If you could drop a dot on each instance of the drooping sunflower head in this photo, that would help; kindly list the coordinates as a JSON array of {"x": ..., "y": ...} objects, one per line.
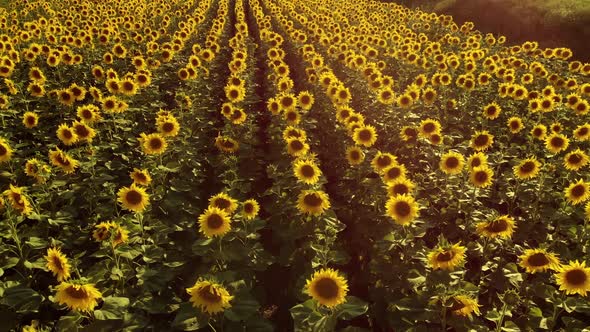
[
  {"x": 409, "y": 133},
  {"x": 58, "y": 264},
  {"x": 502, "y": 227},
  {"x": 306, "y": 171},
  {"x": 447, "y": 257},
  {"x": 481, "y": 176},
  {"x": 133, "y": 198},
  {"x": 226, "y": 144},
  {"x": 527, "y": 169},
  {"x": 578, "y": 192},
  {"x": 120, "y": 235},
  {"x": 293, "y": 132},
  {"x": 209, "y": 297},
  {"x": 574, "y": 278},
  {"x": 327, "y": 287},
  {"x": 224, "y": 202},
  {"x": 538, "y": 260},
  {"x": 5, "y": 151},
  {"x": 464, "y": 306},
  {"x": 575, "y": 160},
  {"x": 78, "y": 296},
  {"x": 403, "y": 209},
  {"x": 451, "y": 163},
  {"x": 102, "y": 231},
  {"x": 214, "y": 222},
  {"x": 313, "y": 202},
  {"x": 62, "y": 160}
]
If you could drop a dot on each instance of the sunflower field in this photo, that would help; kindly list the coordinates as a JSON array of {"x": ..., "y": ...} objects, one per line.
[{"x": 278, "y": 165}]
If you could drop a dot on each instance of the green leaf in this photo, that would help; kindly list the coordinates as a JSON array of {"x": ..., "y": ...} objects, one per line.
[
  {"x": 242, "y": 308},
  {"x": 353, "y": 307},
  {"x": 189, "y": 318},
  {"x": 113, "y": 308},
  {"x": 70, "y": 322},
  {"x": 21, "y": 299}
]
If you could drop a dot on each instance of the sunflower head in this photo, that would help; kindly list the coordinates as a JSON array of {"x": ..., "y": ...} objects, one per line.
[
  {"x": 556, "y": 142},
  {"x": 578, "y": 192},
  {"x": 481, "y": 176},
  {"x": 383, "y": 160},
  {"x": 576, "y": 160},
  {"x": 354, "y": 155},
  {"x": 224, "y": 202},
  {"x": 306, "y": 171},
  {"x": 403, "y": 209},
  {"x": 153, "y": 144},
  {"x": 482, "y": 140},
  {"x": 464, "y": 306},
  {"x": 133, "y": 198},
  {"x": 538, "y": 260},
  {"x": 574, "y": 278},
  {"x": 313, "y": 202},
  {"x": 58, "y": 264},
  {"x": 327, "y": 287},
  {"x": 250, "y": 209},
  {"x": 214, "y": 222},
  {"x": 447, "y": 257},
  {"x": 365, "y": 135},
  {"x": 527, "y": 169},
  {"x": 209, "y": 297},
  {"x": 78, "y": 296},
  {"x": 452, "y": 163},
  {"x": 502, "y": 227}
]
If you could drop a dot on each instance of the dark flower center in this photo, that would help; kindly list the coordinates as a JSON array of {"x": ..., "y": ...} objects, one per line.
[
  {"x": 576, "y": 277},
  {"x": 384, "y": 161},
  {"x": 297, "y": 145},
  {"x": 452, "y": 162},
  {"x": 481, "y": 176},
  {"x": 3, "y": 150},
  {"x": 538, "y": 259},
  {"x": 326, "y": 288},
  {"x": 578, "y": 190},
  {"x": 312, "y": 200},
  {"x": 76, "y": 292},
  {"x": 307, "y": 171},
  {"x": 209, "y": 294},
  {"x": 527, "y": 167},
  {"x": 400, "y": 189},
  {"x": 134, "y": 197},
  {"x": 222, "y": 203},
  {"x": 365, "y": 135},
  {"x": 574, "y": 158},
  {"x": 249, "y": 208},
  {"x": 481, "y": 140},
  {"x": 445, "y": 256},
  {"x": 155, "y": 143},
  {"x": 429, "y": 127},
  {"x": 168, "y": 127},
  {"x": 403, "y": 209},
  {"x": 214, "y": 221},
  {"x": 557, "y": 142},
  {"x": 497, "y": 226}
]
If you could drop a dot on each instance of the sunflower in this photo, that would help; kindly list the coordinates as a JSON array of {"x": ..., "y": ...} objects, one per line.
[
  {"x": 403, "y": 209},
  {"x": 429, "y": 127},
  {"x": 83, "y": 131},
  {"x": 527, "y": 169},
  {"x": 477, "y": 159},
  {"x": 168, "y": 126},
  {"x": 235, "y": 94},
  {"x": 153, "y": 143},
  {"x": 481, "y": 176},
  {"x": 556, "y": 142},
  {"x": 291, "y": 116},
  {"x": 354, "y": 155},
  {"x": 492, "y": 111},
  {"x": 582, "y": 132},
  {"x": 538, "y": 260},
  {"x": 293, "y": 132},
  {"x": 464, "y": 306},
  {"x": 250, "y": 209},
  {"x": 447, "y": 258},
  {"x": 214, "y": 222},
  {"x": 305, "y": 100},
  {"x": 88, "y": 113},
  {"x": 18, "y": 200},
  {"x": 574, "y": 278},
  {"x": 36, "y": 89},
  {"x": 365, "y": 135},
  {"x": 400, "y": 186},
  {"x": 5, "y": 151},
  {"x": 394, "y": 172},
  {"x": 482, "y": 140},
  {"x": 128, "y": 87},
  {"x": 62, "y": 160},
  {"x": 451, "y": 163},
  {"x": 306, "y": 171},
  {"x": 30, "y": 120},
  {"x": 133, "y": 198},
  {"x": 539, "y": 132},
  {"x": 66, "y": 134},
  {"x": 226, "y": 144},
  {"x": 501, "y": 227},
  {"x": 58, "y": 264},
  {"x": 209, "y": 297},
  {"x": 103, "y": 231},
  {"x": 297, "y": 147},
  {"x": 578, "y": 192},
  {"x": 575, "y": 160},
  {"x": 327, "y": 287},
  {"x": 313, "y": 202},
  {"x": 141, "y": 177},
  {"x": 409, "y": 133},
  {"x": 383, "y": 160},
  {"x": 37, "y": 169},
  {"x": 66, "y": 97},
  {"x": 78, "y": 297},
  {"x": 515, "y": 124},
  {"x": 224, "y": 202}
]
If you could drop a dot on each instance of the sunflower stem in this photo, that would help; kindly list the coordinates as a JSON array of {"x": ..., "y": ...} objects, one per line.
[
  {"x": 14, "y": 234},
  {"x": 501, "y": 321},
  {"x": 140, "y": 219}
]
